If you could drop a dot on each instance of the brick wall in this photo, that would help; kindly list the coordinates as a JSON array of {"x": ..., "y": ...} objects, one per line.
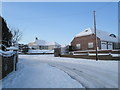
[
  {"x": 8, "y": 64},
  {"x": 84, "y": 40}
]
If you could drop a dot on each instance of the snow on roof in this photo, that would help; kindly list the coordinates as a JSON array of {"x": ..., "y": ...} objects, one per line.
[
  {"x": 87, "y": 31},
  {"x": 63, "y": 45},
  {"x": 43, "y": 42},
  {"x": 40, "y": 42},
  {"x": 32, "y": 43},
  {"x": 104, "y": 36},
  {"x": 52, "y": 43}
]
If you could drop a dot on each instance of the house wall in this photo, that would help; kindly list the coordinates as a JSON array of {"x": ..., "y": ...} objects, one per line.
[
  {"x": 51, "y": 47},
  {"x": 34, "y": 46},
  {"x": 84, "y": 40},
  {"x": 114, "y": 45},
  {"x": 106, "y": 45}
]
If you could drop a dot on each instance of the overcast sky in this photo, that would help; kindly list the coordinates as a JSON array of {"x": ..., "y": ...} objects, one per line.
[{"x": 59, "y": 22}]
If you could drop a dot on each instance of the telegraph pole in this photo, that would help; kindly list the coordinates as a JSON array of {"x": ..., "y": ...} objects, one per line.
[{"x": 96, "y": 44}]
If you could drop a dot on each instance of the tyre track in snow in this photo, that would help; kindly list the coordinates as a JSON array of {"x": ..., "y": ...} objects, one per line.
[
  {"x": 85, "y": 79},
  {"x": 98, "y": 73},
  {"x": 89, "y": 76}
]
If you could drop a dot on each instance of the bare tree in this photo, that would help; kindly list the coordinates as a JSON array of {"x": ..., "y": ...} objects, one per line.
[{"x": 17, "y": 35}]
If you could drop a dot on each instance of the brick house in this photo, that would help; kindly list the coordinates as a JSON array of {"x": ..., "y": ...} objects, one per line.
[{"x": 85, "y": 40}]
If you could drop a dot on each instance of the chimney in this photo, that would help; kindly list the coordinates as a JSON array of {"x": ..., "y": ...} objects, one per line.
[{"x": 36, "y": 38}]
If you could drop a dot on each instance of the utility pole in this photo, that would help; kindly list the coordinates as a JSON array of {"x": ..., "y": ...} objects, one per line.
[{"x": 96, "y": 44}]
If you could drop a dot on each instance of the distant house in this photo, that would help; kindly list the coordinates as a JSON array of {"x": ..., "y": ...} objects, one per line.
[
  {"x": 43, "y": 45},
  {"x": 85, "y": 40}
]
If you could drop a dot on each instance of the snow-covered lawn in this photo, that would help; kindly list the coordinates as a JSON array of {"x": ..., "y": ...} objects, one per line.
[
  {"x": 41, "y": 51},
  {"x": 47, "y": 71}
]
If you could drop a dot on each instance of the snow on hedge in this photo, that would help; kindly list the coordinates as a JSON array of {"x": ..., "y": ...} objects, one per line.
[
  {"x": 6, "y": 53},
  {"x": 12, "y": 48}
]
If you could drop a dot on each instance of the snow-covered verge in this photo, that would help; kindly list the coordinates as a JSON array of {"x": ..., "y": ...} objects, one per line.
[
  {"x": 34, "y": 74},
  {"x": 36, "y": 71},
  {"x": 41, "y": 51},
  {"x": 99, "y": 54}
]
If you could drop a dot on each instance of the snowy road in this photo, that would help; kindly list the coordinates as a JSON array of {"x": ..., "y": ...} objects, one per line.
[{"x": 84, "y": 73}]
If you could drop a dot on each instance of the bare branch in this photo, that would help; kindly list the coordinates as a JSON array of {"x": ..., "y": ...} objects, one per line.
[{"x": 17, "y": 35}]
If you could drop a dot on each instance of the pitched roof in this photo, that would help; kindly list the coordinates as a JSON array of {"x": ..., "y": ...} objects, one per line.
[
  {"x": 40, "y": 42},
  {"x": 52, "y": 43},
  {"x": 43, "y": 42},
  {"x": 104, "y": 36}
]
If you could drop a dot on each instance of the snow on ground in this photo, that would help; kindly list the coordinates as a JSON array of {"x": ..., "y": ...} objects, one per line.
[
  {"x": 48, "y": 71},
  {"x": 34, "y": 74},
  {"x": 41, "y": 51}
]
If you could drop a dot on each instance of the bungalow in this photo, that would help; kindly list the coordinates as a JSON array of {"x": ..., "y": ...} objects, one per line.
[
  {"x": 85, "y": 40},
  {"x": 43, "y": 45}
]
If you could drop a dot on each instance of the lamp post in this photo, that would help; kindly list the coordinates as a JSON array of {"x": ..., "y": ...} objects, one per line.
[{"x": 96, "y": 44}]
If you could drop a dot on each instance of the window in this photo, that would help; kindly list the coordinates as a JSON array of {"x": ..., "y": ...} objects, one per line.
[
  {"x": 103, "y": 45},
  {"x": 116, "y": 46},
  {"x": 90, "y": 45},
  {"x": 112, "y": 35},
  {"x": 78, "y": 46},
  {"x": 86, "y": 30},
  {"x": 40, "y": 47},
  {"x": 109, "y": 43},
  {"x": 103, "y": 42},
  {"x": 46, "y": 47}
]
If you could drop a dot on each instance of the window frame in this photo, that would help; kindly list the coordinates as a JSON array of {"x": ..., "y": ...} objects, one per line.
[
  {"x": 89, "y": 46},
  {"x": 78, "y": 46}
]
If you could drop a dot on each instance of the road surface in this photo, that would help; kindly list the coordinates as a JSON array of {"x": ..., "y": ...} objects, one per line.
[{"x": 90, "y": 74}]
